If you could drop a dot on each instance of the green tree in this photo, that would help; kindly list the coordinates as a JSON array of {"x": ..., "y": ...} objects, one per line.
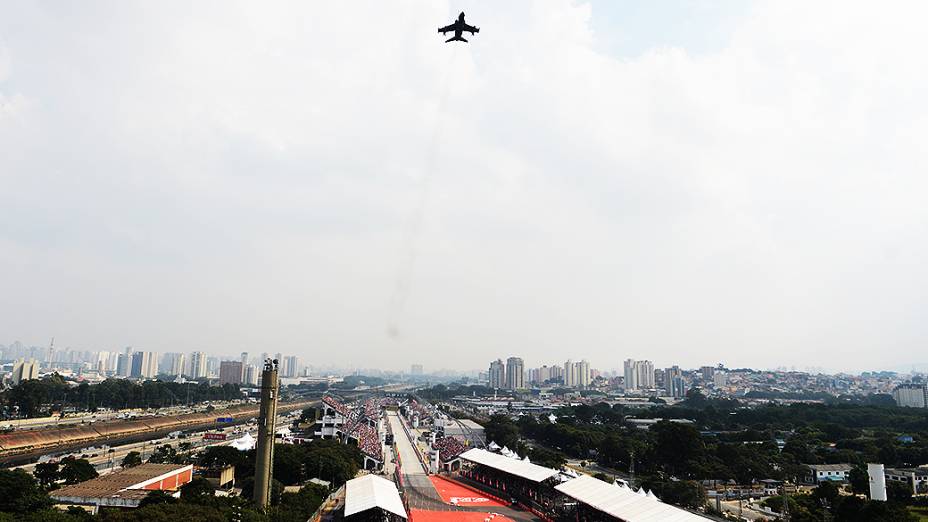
[
  {"x": 196, "y": 490},
  {"x": 676, "y": 446},
  {"x": 157, "y": 497},
  {"x": 47, "y": 473},
  {"x": 74, "y": 470},
  {"x": 289, "y": 463},
  {"x": 502, "y": 430},
  {"x": 859, "y": 480},
  {"x": 20, "y": 493},
  {"x": 133, "y": 458}
]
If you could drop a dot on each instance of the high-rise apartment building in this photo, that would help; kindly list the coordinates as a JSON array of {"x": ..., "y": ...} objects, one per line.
[
  {"x": 497, "y": 374},
  {"x": 706, "y": 372},
  {"x": 230, "y": 372},
  {"x": 197, "y": 365},
  {"x": 577, "y": 374},
  {"x": 673, "y": 382},
  {"x": 144, "y": 365},
  {"x": 290, "y": 366},
  {"x": 515, "y": 373},
  {"x": 24, "y": 370},
  {"x": 639, "y": 375},
  {"x": 173, "y": 363},
  {"x": 415, "y": 370},
  {"x": 911, "y": 395},
  {"x": 251, "y": 375}
]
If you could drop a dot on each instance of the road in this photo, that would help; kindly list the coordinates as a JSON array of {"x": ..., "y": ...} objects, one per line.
[
  {"x": 409, "y": 459},
  {"x": 106, "y": 461}
]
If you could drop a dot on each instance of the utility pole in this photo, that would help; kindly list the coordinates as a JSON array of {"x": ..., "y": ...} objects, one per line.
[{"x": 265, "y": 449}]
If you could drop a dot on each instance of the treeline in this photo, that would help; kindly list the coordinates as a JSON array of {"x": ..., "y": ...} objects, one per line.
[
  {"x": 40, "y": 396},
  {"x": 709, "y": 439},
  {"x": 26, "y": 498}
]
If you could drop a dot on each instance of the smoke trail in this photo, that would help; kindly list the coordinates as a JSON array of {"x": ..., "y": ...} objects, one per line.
[{"x": 410, "y": 242}]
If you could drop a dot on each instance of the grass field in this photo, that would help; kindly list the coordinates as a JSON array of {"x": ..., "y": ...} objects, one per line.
[{"x": 920, "y": 512}]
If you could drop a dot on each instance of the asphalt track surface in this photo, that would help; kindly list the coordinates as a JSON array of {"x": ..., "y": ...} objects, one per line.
[{"x": 424, "y": 501}]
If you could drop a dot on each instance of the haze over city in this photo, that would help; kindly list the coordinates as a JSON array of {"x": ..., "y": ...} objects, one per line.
[{"x": 684, "y": 182}]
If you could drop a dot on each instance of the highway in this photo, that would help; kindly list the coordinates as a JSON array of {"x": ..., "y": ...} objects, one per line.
[{"x": 104, "y": 461}]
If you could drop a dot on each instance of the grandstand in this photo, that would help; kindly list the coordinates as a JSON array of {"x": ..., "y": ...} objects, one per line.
[
  {"x": 555, "y": 495},
  {"x": 359, "y": 423}
]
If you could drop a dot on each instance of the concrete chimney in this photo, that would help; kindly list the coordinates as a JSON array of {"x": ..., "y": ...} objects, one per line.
[{"x": 265, "y": 448}]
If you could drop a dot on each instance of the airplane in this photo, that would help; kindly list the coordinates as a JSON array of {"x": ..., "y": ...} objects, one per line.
[{"x": 459, "y": 26}]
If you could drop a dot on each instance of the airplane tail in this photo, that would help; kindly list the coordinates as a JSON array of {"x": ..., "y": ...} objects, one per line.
[{"x": 455, "y": 39}]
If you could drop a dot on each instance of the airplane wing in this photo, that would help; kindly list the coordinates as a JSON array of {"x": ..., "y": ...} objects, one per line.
[
  {"x": 471, "y": 29},
  {"x": 446, "y": 28}
]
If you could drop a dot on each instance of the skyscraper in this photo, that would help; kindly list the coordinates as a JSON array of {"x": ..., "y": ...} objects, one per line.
[
  {"x": 415, "y": 370},
  {"x": 673, "y": 382},
  {"x": 497, "y": 374},
  {"x": 251, "y": 375},
  {"x": 515, "y": 373},
  {"x": 230, "y": 372},
  {"x": 639, "y": 375},
  {"x": 197, "y": 365},
  {"x": 173, "y": 363},
  {"x": 290, "y": 366},
  {"x": 144, "y": 365}
]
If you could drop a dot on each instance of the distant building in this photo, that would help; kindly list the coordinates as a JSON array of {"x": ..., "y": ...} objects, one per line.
[
  {"x": 230, "y": 372},
  {"x": 829, "y": 472},
  {"x": 123, "y": 365},
  {"x": 144, "y": 365},
  {"x": 911, "y": 395},
  {"x": 415, "y": 370},
  {"x": 706, "y": 372},
  {"x": 577, "y": 374},
  {"x": 251, "y": 375},
  {"x": 173, "y": 363},
  {"x": 197, "y": 365},
  {"x": 639, "y": 375},
  {"x": 916, "y": 479},
  {"x": 24, "y": 370},
  {"x": 515, "y": 373},
  {"x": 673, "y": 382},
  {"x": 497, "y": 374},
  {"x": 290, "y": 366}
]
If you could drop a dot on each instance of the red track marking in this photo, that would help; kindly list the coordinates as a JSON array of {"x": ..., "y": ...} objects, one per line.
[
  {"x": 456, "y": 494},
  {"x": 419, "y": 515}
]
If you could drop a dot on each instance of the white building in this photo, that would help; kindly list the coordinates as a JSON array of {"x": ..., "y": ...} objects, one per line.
[
  {"x": 197, "y": 365},
  {"x": 577, "y": 374},
  {"x": 24, "y": 370},
  {"x": 911, "y": 395},
  {"x": 515, "y": 373},
  {"x": 639, "y": 375},
  {"x": 829, "y": 472}
]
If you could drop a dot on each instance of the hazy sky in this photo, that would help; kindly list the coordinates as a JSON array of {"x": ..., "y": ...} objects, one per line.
[{"x": 691, "y": 182}]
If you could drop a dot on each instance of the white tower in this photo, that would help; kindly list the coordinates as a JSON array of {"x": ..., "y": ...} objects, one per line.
[{"x": 877, "y": 482}]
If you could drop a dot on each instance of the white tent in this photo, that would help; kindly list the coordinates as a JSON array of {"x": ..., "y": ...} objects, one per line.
[
  {"x": 244, "y": 443},
  {"x": 371, "y": 491}
]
